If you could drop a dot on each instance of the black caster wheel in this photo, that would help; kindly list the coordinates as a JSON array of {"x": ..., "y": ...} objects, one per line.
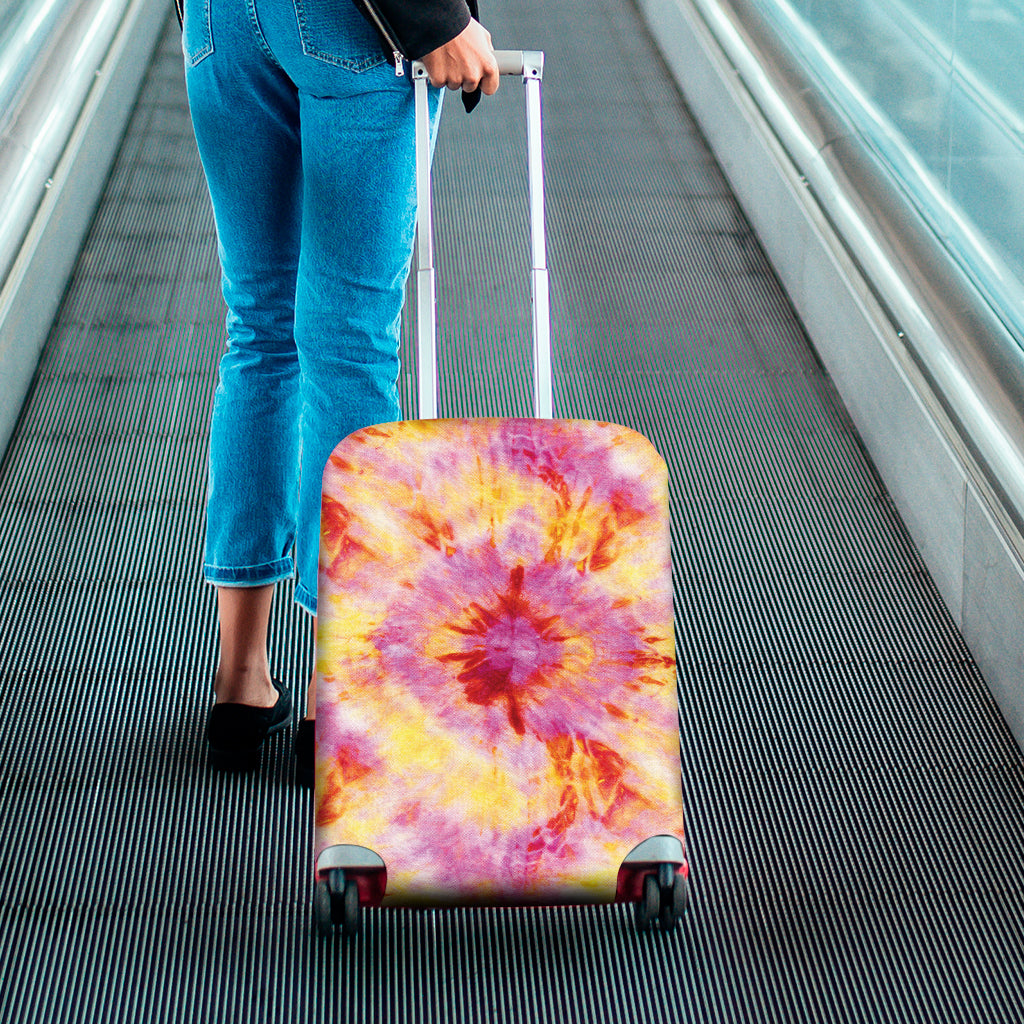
[
  {"x": 344, "y": 901},
  {"x": 648, "y": 905},
  {"x": 322, "y": 908},
  {"x": 351, "y": 917},
  {"x": 674, "y": 902}
]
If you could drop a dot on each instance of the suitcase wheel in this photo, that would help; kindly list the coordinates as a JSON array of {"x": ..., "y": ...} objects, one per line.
[
  {"x": 322, "y": 908},
  {"x": 649, "y": 904},
  {"x": 674, "y": 903},
  {"x": 665, "y": 898},
  {"x": 336, "y": 901}
]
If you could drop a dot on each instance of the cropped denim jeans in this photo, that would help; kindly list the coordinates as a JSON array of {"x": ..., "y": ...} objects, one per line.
[{"x": 306, "y": 137}]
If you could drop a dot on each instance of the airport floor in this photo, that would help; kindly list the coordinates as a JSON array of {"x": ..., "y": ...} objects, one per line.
[{"x": 854, "y": 801}]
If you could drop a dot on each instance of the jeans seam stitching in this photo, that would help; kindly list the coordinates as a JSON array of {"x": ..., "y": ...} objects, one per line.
[
  {"x": 261, "y": 42},
  {"x": 196, "y": 57}
]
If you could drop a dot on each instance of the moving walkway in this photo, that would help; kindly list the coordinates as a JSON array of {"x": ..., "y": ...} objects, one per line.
[{"x": 854, "y": 792}]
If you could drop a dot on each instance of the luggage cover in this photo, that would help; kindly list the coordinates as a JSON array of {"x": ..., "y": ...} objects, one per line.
[{"x": 496, "y": 693}]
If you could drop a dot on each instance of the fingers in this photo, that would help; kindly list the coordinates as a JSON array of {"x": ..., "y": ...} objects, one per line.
[
  {"x": 490, "y": 80},
  {"x": 466, "y": 62},
  {"x": 489, "y": 77}
]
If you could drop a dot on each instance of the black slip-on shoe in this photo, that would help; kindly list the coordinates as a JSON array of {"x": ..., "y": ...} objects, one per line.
[
  {"x": 236, "y": 731},
  {"x": 305, "y": 752}
]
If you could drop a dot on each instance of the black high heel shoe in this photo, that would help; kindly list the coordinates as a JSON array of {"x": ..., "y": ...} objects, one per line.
[{"x": 236, "y": 731}]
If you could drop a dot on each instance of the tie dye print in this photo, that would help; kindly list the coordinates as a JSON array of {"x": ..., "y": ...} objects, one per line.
[{"x": 496, "y": 710}]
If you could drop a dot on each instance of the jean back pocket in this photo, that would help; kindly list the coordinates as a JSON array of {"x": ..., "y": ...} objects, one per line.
[{"x": 336, "y": 33}]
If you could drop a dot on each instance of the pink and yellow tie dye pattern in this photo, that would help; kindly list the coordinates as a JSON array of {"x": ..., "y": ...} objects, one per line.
[{"x": 496, "y": 680}]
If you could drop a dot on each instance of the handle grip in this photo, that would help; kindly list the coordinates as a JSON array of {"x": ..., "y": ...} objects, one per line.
[{"x": 526, "y": 63}]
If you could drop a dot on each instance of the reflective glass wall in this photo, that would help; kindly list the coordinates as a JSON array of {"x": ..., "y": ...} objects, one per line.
[
  {"x": 936, "y": 87},
  {"x": 26, "y": 26}
]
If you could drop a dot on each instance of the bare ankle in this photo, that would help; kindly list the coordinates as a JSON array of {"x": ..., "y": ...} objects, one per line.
[
  {"x": 245, "y": 686},
  {"x": 243, "y": 675}
]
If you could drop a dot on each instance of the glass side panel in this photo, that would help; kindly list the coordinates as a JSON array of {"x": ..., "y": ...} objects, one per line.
[
  {"x": 25, "y": 28},
  {"x": 936, "y": 88}
]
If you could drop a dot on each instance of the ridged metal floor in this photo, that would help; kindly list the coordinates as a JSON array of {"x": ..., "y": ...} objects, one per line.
[{"x": 855, "y": 803}]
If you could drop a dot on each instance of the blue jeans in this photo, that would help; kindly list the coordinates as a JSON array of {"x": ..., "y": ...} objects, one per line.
[{"x": 306, "y": 137}]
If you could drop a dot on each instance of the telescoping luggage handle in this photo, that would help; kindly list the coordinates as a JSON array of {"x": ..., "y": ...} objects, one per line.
[{"x": 530, "y": 65}]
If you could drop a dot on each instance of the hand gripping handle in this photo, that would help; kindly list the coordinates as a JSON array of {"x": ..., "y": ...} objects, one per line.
[{"x": 529, "y": 64}]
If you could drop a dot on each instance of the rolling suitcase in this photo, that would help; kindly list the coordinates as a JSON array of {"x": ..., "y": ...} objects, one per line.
[{"x": 497, "y": 719}]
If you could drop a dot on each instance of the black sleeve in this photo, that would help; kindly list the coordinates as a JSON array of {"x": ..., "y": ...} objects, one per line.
[{"x": 424, "y": 26}]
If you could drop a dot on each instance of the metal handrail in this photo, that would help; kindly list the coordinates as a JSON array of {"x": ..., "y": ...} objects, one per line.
[
  {"x": 49, "y": 100},
  {"x": 25, "y": 34},
  {"x": 969, "y": 356}
]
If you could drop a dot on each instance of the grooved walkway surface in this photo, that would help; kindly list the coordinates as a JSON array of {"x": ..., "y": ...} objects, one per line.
[{"x": 855, "y": 803}]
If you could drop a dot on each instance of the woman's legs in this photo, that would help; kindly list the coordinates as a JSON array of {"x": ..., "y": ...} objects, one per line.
[
  {"x": 358, "y": 218},
  {"x": 243, "y": 675},
  {"x": 313, "y": 340},
  {"x": 359, "y": 208},
  {"x": 245, "y": 115}
]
